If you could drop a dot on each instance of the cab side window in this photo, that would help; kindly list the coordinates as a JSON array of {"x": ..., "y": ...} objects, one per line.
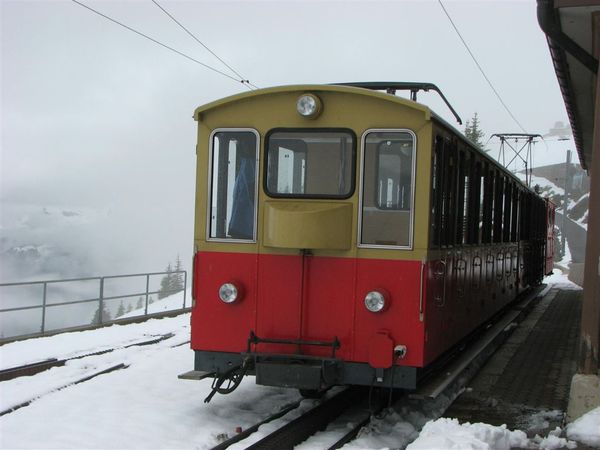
[
  {"x": 388, "y": 189},
  {"x": 233, "y": 185}
]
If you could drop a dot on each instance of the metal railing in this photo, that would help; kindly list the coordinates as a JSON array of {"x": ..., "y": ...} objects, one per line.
[{"x": 101, "y": 300}]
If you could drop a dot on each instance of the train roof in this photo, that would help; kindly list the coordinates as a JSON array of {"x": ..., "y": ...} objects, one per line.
[
  {"x": 346, "y": 88},
  {"x": 312, "y": 88}
]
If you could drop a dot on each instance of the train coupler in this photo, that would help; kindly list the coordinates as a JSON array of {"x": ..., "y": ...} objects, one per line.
[{"x": 231, "y": 379}]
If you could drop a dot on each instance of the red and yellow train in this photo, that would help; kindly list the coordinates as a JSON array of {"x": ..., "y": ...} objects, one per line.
[{"x": 346, "y": 236}]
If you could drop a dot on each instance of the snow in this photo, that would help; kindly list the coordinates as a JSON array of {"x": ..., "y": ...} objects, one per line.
[
  {"x": 586, "y": 429},
  {"x": 572, "y": 205},
  {"x": 146, "y": 406},
  {"x": 539, "y": 420},
  {"x": 143, "y": 406},
  {"x": 583, "y": 221},
  {"x": 548, "y": 187},
  {"x": 71, "y": 344},
  {"x": 553, "y": 441},
  {"x": 170, "y": 303},
  {"x": 567, "y": 258},
  {"x": 561, "y": 280},
  {"x": 450, "y": 434}
]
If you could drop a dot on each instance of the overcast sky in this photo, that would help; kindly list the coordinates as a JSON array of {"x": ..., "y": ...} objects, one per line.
[{"x": 97, "y": 120}]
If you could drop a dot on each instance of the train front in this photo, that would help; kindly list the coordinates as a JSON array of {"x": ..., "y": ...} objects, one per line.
[{"x": 310, "y": 238}]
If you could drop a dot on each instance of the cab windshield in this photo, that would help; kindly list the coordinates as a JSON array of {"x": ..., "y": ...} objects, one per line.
[{"x": 310, "y": 163}]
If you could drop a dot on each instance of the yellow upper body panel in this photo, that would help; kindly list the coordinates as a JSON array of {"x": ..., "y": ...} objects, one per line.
[
  {"x": 308, "y": 225},
  {"x": 279, "y": 220},
  {"x": 308, "y": 88}
]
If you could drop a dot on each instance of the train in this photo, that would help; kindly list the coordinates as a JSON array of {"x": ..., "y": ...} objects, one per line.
[{"x": 345, "y": 235}]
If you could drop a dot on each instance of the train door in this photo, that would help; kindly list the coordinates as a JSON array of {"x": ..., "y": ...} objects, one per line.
[
  {"x": 550, "y": 242},
  {"x": 223, "y": 322},
  {"x": 386, "y": 268},
  {"x": 305, "y": 274},
  {"x": 439, "y": 210}
]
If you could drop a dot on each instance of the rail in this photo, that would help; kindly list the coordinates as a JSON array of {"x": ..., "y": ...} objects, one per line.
[{"x": 103, "y": 301}]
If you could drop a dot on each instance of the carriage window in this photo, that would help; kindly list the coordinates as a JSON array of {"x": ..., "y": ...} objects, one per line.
[
  {"x": 506, "y": 225},
  {"x": 233, "y": 186},
  {"x": 515, "y": 214},
  {"x": 488, "y": 205},
  {"x": 474, "y": 199},
  {"x": 388, "y": 185},
  {"x": 394, "y": 172},
  {"x": 310, "y": 164},
  {"x": 436, "y": 188},
  {"x": 462, "y": 196},
  {"x": 498, "y": 205}
]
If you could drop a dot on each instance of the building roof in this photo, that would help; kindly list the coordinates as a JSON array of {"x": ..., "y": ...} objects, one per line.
[{"x": 568, "y": 25}]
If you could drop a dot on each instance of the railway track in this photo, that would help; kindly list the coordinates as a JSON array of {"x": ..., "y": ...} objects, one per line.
[
  {"x": 354, "y": 401},
  {"x": 435, "y": 395},
  {"x": 79, "y": 381},
  {"x": 299, "y": 429},
  {"x": 41, "y": 366}
]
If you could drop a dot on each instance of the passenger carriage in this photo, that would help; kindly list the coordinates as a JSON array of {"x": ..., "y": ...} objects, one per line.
[{"x": 349, "y": 236}]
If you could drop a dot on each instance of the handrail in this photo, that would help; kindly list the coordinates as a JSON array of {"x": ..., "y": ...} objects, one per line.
[
  {"x": 100, "y": 299},
  {"x": 414, "y": 87}
]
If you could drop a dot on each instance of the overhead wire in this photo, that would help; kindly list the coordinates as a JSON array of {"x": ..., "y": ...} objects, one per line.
[
  {"x": 245, "y": 80},
  {"x": 160, "y": 43},
  {"x": 480, "y": 68}
]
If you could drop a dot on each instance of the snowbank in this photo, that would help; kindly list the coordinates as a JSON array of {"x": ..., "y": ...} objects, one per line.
[
  {"x": 450, "y": 434},
  {"x": 170, "y": 303},
  {"x": 586, "y": 429},
  {"x": 561, "y": 280}
]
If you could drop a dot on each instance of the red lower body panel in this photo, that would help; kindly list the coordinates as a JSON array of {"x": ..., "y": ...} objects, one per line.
[
  {"x": 306, "y": 299},
  {"x": 466, "y": 289},
  {"x": 309, "y": 298}
]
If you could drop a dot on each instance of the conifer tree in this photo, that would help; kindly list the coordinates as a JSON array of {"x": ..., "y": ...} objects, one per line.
[
  {"x": 474, "y": 133},
  {"x": 178, "y": 276},
  {"x": 121, "y": 310},
  {"x": 166, "y": 284},
  {"x": 96, "y": 320},
  {"x": 173, "y": 280}
]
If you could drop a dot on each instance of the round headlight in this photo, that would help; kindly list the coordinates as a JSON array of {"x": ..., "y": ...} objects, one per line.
[
  {"x": 228, "y": 293},
  {"x": 375, "y": 301},
  {"x": 308, "y": 106}
]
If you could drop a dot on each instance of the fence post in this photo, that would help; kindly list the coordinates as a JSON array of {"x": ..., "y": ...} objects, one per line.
[
  {"x": 101, "y": 301},
  {"x": 44, "y": 308},
  {"x": 184, "y": 286},
  {"x": 147, "y": 290}
]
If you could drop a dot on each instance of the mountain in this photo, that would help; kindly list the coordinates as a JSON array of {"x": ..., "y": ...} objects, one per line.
[{"x": 43, "y": 242}]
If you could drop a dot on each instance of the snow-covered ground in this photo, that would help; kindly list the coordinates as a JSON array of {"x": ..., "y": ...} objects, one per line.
[
  {"x": 550, "y": 189},
  {"x": 171, "y": 303},
  {"x": 561, "y": 279},
  {"x": 145, "y": 406}
]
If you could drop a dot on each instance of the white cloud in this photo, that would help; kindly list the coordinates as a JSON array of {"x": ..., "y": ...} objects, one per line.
[{"x": 93, "y": 116}]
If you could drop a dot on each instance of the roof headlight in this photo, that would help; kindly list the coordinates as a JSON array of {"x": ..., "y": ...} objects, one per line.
[
  {"x": 375, "y": 301},
  {"x": 228, "y": 293},
  {"x": 309, "y": 106}
]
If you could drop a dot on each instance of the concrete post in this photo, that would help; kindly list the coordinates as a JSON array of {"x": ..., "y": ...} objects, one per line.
[
  {"x": 590, "y": 324},
  {"x": 566, "y": 201},
  {"x": 585, "y": 386}
]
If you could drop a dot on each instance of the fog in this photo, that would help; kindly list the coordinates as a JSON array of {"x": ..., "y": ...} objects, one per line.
[{"x": 98, "y": 140}]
